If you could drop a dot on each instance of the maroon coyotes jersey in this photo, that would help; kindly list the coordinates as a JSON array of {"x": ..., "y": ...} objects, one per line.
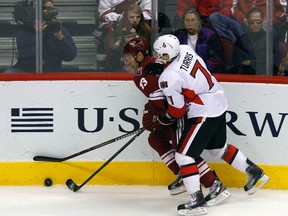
[{"x": 148, "y": 84}]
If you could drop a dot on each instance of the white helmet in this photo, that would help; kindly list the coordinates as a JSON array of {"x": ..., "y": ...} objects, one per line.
[{"x": 167, "y": 44}]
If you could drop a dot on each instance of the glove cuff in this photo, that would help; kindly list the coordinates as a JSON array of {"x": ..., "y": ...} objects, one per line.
[{"x": 165, "y": 119}]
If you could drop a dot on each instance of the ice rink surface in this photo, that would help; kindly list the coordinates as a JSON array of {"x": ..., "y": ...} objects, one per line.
[{"x": 130, "y": 201}]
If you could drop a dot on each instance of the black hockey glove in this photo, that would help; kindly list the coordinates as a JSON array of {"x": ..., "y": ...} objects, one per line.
[
  {"x": 165, "y": 119},
  {"x": 154, "y": 68}
]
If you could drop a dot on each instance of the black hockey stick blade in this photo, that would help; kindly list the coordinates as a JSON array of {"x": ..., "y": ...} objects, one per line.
[
  {"x": 48, "y": 159},
  {"x": 55, "y": 159},
  {"x": 72, "y": 185}
]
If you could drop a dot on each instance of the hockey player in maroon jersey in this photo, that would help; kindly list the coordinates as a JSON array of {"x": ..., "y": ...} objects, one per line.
[
  {"x": 147, "y": 72},
  {"x": 192, "y": 91}
]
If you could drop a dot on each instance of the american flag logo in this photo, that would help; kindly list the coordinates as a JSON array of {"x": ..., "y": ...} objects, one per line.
[{"x": 31, "y": 120}]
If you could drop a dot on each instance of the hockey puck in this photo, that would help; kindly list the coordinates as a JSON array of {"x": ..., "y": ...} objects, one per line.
[{"x": 48, "y": 182}]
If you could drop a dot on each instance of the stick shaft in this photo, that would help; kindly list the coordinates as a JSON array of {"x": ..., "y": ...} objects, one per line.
[
  {"x": 54, "y": 159},
  {"x": 141, "y": 130}
]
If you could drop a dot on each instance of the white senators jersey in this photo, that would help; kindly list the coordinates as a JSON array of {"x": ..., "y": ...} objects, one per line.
[{"x": 190, "y": 88}]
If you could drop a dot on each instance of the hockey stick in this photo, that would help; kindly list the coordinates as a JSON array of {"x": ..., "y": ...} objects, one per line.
[
  {"x": 54, "y": 159},
  {"x": 74, "y": 187}
]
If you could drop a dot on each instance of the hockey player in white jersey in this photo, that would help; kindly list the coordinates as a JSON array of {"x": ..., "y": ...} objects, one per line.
[{"x": 192, "y": 91}]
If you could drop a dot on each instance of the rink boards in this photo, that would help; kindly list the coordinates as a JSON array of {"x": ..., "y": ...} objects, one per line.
[{"x": 58, "y": 117}]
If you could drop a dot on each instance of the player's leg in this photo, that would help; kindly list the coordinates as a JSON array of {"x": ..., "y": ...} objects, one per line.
[
  {"x": 218, "y": 192},
  {"x": 191, "y": 144},
  {"x": 160, "y": 139},
  {"x": 208, "y": 178},
  {"x": 160, "y": 142},
  {"x": 200, "y": 135},
  {"x": 164, "y": 149},
  {"x": 256, "y": 177},
  {"x": 191, "y": 178}
]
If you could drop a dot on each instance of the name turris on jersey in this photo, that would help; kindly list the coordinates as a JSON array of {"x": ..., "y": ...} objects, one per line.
[{"x": 187, "y": 61}]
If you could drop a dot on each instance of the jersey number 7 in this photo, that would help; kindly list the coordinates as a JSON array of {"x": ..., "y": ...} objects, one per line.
[{"x": 198, "y": 67}]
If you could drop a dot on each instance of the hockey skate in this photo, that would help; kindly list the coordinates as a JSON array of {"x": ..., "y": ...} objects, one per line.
[
  {"x": 177, "y": 187},
  {"x": 195, "y": 206},
  {"x": 217, "y": 193},
  {"x": 256, "y": 178}
]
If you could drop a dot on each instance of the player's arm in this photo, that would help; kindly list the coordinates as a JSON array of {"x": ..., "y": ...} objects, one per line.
[
  {"x": 176, "y": 106},
  {"x": 146, "y": 79},
  {"x": 154, "y": 68}
]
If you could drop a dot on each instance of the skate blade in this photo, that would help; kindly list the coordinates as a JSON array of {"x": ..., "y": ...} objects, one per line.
[
  {"x": 260, "y": 183},
  {"x": 193, "y": 212},
  {"x": 219, "y": 199},
  {"x": 178, "y": 190}
]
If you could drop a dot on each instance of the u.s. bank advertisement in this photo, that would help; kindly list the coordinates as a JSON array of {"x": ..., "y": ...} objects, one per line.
[{"x": 62, "y": 117}]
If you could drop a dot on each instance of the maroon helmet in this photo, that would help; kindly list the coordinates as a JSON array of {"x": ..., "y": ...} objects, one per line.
[{"x": 136, "y": 45}]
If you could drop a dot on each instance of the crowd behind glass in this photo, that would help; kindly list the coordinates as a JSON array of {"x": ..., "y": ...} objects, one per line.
[{"x": 232, "y": 36}]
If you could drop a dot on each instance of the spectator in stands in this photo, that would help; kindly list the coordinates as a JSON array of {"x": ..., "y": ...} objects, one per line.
[
  {"x": 58, "y": 45},
  {"x": 111, "y": 14},
  {"x": 255, "y": 23},
  {"x": 241, "y": 8},
  {"x": 236, "y": 33},
  {"x": 132, "y": 25},
  {"x": 203, "y": 40},
  {"x": 205, "y": 7},
  {"x": 112, "y": 10},
  {"x": 133, "y": 21},
  {"x": 216, "y": 15}
]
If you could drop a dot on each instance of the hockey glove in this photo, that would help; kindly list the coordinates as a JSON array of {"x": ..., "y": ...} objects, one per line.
[
  {"x": 165, "y": 119},
  {"x": 154, "y": 68},
  {"x": 149, "y": 119}
]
